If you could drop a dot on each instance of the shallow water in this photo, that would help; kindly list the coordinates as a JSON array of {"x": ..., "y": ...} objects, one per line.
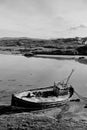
[{"x": 19, "y": 73}]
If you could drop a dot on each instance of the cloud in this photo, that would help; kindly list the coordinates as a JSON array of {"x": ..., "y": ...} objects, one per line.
[
  {"x": 41, "y": 17},
  {"x": 44, "y": 7},
  {"x": 29, "y": 7},
  {"x": 82, "y": 26}
]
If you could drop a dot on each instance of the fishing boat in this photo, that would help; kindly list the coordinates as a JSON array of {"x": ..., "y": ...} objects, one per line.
[
  {"x": 82, "y": 60},
  {"x": 28, "y": 54},
  {"x": 42, "y": 98}
]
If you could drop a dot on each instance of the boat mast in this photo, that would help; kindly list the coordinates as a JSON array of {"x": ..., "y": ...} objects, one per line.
[{"x": 69, "y": 77}]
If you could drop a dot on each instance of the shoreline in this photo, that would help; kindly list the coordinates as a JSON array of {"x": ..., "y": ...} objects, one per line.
[
  {"x": 76, "y": 58},
  {"x": 72, "y": 115}
]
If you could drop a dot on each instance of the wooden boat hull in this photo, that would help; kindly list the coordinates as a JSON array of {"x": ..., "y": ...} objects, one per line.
[
  {"x": 33, "y": 106},
  {"x": 19, "y": 102}
]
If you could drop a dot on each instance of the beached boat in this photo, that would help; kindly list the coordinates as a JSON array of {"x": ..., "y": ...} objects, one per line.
[
  {"x": 42, "y": 98},
  {"x": 82, "y": 60},
  {"x": 28, "y": 54}
]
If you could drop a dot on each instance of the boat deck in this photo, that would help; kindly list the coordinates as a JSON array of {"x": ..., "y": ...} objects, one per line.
[
  {"x": 40, "y": 99},
  {"x": 49, "y": 99}
]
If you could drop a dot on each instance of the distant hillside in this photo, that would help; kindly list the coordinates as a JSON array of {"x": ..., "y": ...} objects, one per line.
[
  {"x": 65, "y": 46},
  {"x": 29, "y": 42}
]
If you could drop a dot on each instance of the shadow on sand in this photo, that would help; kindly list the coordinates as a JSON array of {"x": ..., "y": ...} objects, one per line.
[
  {"x": 8, "y": 109},
  {"x": 4, "y": 109}
]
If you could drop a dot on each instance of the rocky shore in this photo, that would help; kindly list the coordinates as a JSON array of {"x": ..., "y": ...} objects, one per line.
[{"x": 71, "y": 116}]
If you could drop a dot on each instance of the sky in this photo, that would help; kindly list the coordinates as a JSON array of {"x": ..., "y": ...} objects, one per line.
[{"x": 43, "y": 18}]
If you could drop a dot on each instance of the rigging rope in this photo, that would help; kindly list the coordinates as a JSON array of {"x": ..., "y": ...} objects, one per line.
[{"x": 81, "y": 97}]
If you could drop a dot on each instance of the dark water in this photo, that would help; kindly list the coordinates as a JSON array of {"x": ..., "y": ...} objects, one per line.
[{"x": 19, "y": 73}]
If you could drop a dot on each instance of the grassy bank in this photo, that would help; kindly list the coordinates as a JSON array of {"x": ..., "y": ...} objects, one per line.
[{"x": 69, "y": 46}]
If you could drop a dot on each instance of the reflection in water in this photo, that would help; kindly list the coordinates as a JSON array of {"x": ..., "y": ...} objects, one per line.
[{"x": 18, "y": 73}]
